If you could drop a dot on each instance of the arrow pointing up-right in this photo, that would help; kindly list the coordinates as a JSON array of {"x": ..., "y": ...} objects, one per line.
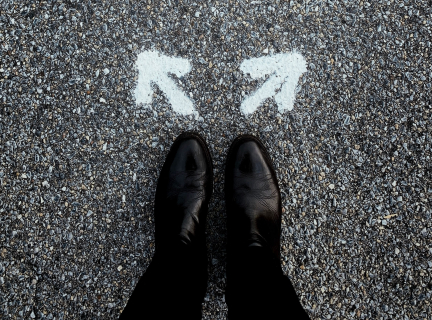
[{"x": 284, "y": 69}]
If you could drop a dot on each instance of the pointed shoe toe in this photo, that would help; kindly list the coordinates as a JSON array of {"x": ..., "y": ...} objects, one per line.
[
  {"x": 183, "y": 192},
  {"x": 252, "y": 198}
]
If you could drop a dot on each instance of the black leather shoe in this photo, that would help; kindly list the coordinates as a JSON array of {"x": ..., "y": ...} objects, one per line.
[
  {"x": 179, "y": 265},
  {"x": 252, "y": 198},
  {"x": 183, "y": 192}
]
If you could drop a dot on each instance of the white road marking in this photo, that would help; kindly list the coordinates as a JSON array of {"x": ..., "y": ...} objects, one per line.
[
  {"x": 284, "y": 69},
  {"x": 154, "y": 67}
]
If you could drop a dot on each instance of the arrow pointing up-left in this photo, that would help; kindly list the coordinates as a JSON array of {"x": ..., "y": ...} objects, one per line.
[{"x": 154, "y": 67}]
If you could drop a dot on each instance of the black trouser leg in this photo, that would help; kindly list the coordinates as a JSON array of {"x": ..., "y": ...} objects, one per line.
[
  {"x": 173, "y": 287},
  {"x": 257, "y": 288}
]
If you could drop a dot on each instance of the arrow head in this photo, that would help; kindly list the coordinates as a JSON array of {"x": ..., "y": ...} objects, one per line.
[
  {"x": 154, "y": 67},
  {"x": 259, "y": 67}
]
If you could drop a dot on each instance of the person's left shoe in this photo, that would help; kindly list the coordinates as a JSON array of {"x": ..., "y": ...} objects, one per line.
[{"x": 183, "y": 192}]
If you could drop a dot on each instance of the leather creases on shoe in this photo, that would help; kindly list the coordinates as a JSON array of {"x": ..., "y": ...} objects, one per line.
[
  {"x": 183, "y": 193},
  {"x": 253, "y": 199}
]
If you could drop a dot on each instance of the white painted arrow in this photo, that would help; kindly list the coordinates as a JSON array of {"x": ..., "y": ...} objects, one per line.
[
  {"x": 284, "y": 69},
  {"x": 154, "y": 67}
]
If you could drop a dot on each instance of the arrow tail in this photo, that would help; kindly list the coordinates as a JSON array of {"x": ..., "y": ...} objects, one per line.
[
  {"x": 267, "y": 90},
  {"x": 179, "y": 101},
  {"x": 286, "y": 96}
]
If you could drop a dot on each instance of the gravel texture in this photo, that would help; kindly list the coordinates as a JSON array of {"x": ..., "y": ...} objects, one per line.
[{"x": 79, "y": 160}]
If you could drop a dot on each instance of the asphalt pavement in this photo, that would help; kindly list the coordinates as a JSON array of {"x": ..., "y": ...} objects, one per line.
[{"x": 79, "y": 157}]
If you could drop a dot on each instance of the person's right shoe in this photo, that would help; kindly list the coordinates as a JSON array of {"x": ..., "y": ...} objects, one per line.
[{"x": 252, "y": 197}]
